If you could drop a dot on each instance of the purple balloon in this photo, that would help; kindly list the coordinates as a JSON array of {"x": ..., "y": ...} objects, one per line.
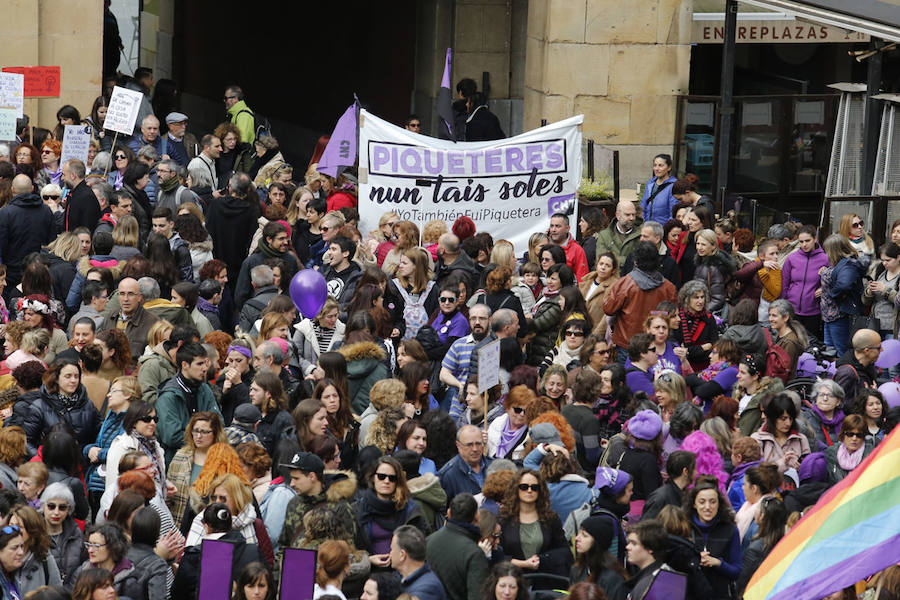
[
  {"x": 309, "y": 292},
  {"x": 890, "y": 354},
  {"x": 891, "y": 392}
]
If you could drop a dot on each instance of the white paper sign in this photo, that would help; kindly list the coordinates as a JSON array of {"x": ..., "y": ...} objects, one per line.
[
  {"x": 509, "y": 187},
  {"x": 123, "y": 110},
  {"x": 12, "y": 92},
  {"x": 7, "y": 124},
  {"x": 488, "y": 366},
  {"x": 76, "y": 143}
]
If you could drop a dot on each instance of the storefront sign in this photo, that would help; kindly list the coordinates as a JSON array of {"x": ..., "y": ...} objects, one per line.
[{"x": 780, "y": 32}]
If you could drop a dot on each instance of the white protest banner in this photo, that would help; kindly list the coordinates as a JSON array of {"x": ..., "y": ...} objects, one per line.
[
  {"x": 12, "y": 92},
  {"x": 488, "y": 366},
  {"x": 508, "y": 187},
  {"x": 76, "y": 143},
  {"x": 123, "y": 110},
  {"x": 7, "y": 124}
]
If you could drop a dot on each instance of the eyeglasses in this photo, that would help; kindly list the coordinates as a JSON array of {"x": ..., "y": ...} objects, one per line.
[
  {"x": 857, "y": 224},
  {"x": 226, "y": 98},
  {"x": 518, "y": 409},
  {"x": 574, "y": 333},
  {"x": 388, "y": 476},
  {"x": 10, "y": 529},
  {"x": 825, "y": 395},
  {"x": 447, "y": 299},
  {"x": 325, "y": 229},
  {"x": 607, "y": 351},
  {"x": 475, "y": 444},
  {"x": 534, "y": 487},
  {"x": 51, "y": 197},
  {"x": 855, "y": 434},
  {"x": 149, "y": 418},
  {"x": 878, "y": 347},
  {"x": 92, "y": 546},
  {"x": 201, "y": 431},
  {"x": 55, "y": 506}
]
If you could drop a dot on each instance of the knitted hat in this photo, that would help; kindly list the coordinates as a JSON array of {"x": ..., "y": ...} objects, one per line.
[
  {"x": 813, "y": 468},
  {"x": 601, "y": 529},
  {"x": 645, "y": 425},
  {"x": 611, "y": 481},
  {"x": 545, "y": 433}
]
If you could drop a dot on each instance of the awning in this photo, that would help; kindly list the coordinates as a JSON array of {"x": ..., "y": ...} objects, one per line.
[{"x": 878, "y": 18}]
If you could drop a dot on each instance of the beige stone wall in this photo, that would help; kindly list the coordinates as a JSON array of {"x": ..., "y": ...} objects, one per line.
[
  {"x": 622, "y": 64},
  {"x": 67, "y": 33}
]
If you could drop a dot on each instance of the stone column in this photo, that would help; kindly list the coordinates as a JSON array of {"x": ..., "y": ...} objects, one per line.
[{"x": 622, "y": 64}]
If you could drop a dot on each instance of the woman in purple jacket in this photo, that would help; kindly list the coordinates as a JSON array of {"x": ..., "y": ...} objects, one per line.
[{"x": 800, "y": 280}]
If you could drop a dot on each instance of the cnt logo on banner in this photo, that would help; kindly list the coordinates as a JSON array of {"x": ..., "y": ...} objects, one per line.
[{"x": 508, "y": 187}]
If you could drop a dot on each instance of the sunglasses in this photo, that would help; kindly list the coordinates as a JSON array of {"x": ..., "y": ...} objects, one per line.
[
  {"x": 855, "y": 434},
  {"x": 518, "y": 409},
  {"x": 447, "y": 300},
  {"x": 149, "y": 418},
  {"x": 389, "y": 477},
  {"x": 50, "y": 197},
  {"x": 857, "y": 224},
  {"x": 534, "y": 487},
  {"x": 10, "y": 529},
  {"x": 325, "y": 229},
  {"x": 55, "y": 506},
  {"x": 574, "y": 333},
  {"x": 46, "y": 151},
  {"x": 121, "y": 157},
  {"x": 607, "y": 351}
]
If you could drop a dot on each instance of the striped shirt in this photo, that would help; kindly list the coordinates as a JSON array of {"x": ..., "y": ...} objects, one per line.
[
  {"x": 457, "y": 362},
  {"x": 323, "y": 336}
]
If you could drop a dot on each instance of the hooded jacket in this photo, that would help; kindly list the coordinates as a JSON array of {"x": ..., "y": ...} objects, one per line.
[
  {"x": 308, "y": 344},
  {"x": 25, "y": 225},
  {"x": 365, "y": 366},
  {"x": 243, "y": 289},
  {"x": 658, "y": 209},
  {"x": 632, "y": 298},
  {"x": 844, "y": 284},
  {"x": 231, "y": 222},
  {"x": 567, "y": 494},
  {"x": 339, "y": 491},
  {"x": 715, "y": 271},
  {"x": 853, "y": 376},
  {"x": 545, "y": 325},
  {"x": 342, "y": 284},
  {"x": 575, "y": 257},
  {"x": 772, "y": 452},
  {"x": 168, "y": 310},
  {"x": 800, "y": 280},
  {"x": 463, "y": 264},
  {"x": 154, "y": 369},
  {"x": 174, "y": 413},
  {"x": 427, "y": 491},
  {"x": 35, "y": 573},
  {"x": 750, "y": 339}
]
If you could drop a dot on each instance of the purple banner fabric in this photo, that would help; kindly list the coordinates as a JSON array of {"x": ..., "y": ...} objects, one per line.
[
  {"x": 445, "y": 102},
  {"x": 215, "y": 570},
  {"x": 341, "y": 148},
  {"x": 845, "y": 573},
  {"x": 298, "y": 574}
]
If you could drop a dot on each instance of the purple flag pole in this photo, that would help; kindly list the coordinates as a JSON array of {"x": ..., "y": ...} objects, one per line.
[
  {"x": 445, "y": 102},
  {"x": 341, "y": 148}
]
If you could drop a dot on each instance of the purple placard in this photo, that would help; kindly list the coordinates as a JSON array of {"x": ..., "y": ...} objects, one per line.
[
  {"x": 667, "y": 585},
  {"x": 215, "y": 570},
  {"x": 298, "y": 574}
]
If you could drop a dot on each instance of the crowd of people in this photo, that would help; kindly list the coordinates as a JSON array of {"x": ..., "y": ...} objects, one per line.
[{"x": 160, "y": 388}]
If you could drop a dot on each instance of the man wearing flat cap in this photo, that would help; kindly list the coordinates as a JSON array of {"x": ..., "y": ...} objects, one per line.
[{"x": 182, "y": 146}]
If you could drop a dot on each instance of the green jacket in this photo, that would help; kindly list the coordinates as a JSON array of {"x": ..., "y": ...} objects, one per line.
[
  {"x": 427, "y": 491},
  {"x": 365, "y": 366},
  {"x": 456, "y": 559},
  {"x": 243, "y": 121},
  {"x": 154, "y": 370},
  {"x": 173, "y": 413},
  {"x": 751, "y": 418},
  {"x": 337, "y": 495},
  {"x": 609, "y": 240}
]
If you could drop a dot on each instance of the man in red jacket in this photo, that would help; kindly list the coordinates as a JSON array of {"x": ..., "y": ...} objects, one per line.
[{"x": 559, "y": 235}]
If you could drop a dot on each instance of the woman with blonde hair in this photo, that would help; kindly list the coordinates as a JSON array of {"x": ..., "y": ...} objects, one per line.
[
  {"x": 852, "y": 229},
  {"x": 65, "y": 251},
  {"x": 670, "y": 391},
  {"x": 714, "y": 268},
  {"x": 159, "y": 332},
  {"x": 536, "y": 242},
  {"x": 125, "y": 238},
  {"x": 432, "y": 231},
  {"x": 418, "y": 290},
  {"x": 233, "y": 490},
  {"x": 273, "y": 324},
  {"x": 204, "y": 430},
  {"x": 406, "y": 236}
]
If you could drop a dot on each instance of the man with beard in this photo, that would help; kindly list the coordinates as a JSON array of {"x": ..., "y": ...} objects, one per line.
[
  {"x": 455, "y": 366},
  {"x": 558, "y": 232},
  {"x": 275, "y": 243},
  {"x": 342, "y": 273}
]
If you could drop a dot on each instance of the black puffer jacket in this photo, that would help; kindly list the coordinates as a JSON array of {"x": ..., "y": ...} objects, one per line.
[
  {"x": 67, "y": 549},
  {"x": 25, "y": 225},
  {"x": 47, "y": 410},
  {"x": 545, "y": 325},
  {"x": 714, "y": 271}
]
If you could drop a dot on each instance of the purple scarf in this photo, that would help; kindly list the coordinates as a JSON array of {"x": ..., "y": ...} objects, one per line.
[
  {"x": 849, "y": 461},
  {"x": 508, "y": 438},
  {"x": 207, "y": 306}
]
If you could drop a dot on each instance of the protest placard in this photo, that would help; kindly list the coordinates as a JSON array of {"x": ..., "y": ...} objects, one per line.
[
  {"x": 488, "y": 366},
  {"x": 7, "y": 124},
  {"x": 76, "y": 143},
  {"x": 509, "y": 187},
  {"x": 12, "y": 92},
  {"x": 298, "y": 574},
  {"x": 123, "y": 110},
  {"x": 40, "y": 82},
  {"x": 215, "y": 569}
]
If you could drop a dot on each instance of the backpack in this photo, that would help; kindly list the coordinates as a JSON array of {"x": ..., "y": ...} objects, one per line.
[
  {"x": 261, "y": 125},
  {"x": 778, "y": 363},
  {"x": 414, "y": 313},
  {"x": 590, "y": 509}
]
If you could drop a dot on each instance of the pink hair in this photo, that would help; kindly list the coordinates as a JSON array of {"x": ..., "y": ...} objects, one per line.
[{"x": 709, "y": 461}]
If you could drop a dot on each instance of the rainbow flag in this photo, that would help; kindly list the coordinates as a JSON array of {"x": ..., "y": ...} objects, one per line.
[{"x": 852, "y": 532}]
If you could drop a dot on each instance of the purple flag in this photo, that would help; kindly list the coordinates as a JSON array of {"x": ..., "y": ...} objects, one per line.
[
  {"x": 445, "y": 103},
  {"x": 341, "y": 148}
]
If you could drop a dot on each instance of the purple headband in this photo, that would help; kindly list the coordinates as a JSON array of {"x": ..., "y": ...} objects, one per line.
[{"x": 241, "y": 350}]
